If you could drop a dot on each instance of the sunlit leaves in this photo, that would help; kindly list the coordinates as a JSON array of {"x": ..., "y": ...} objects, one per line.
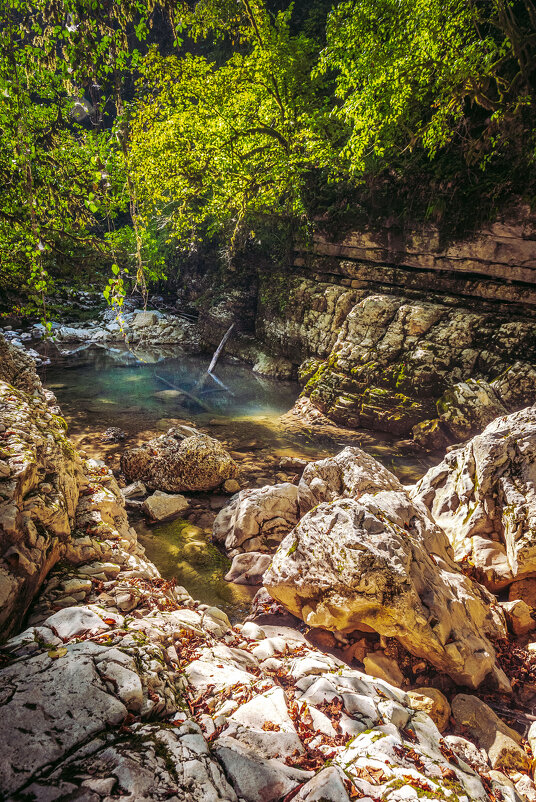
[
  {"x": 411, "y": 72},
  {"x": 215, "y": 144}
]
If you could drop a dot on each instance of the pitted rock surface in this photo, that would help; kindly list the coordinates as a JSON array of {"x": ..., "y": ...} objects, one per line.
[
  {"x": 257, "y": 519},
  {"x": 174, "y": 462},
  {"x": 40, "y": 478},
  {"x": 18, "y": 368},
  {"x": 384, "y": 361},
  {"x": 350, "y": 474},
  {"x": 372, "y": 562},
  {"x": 122, "y": 686},
  {"x": 483, "y": 496}
]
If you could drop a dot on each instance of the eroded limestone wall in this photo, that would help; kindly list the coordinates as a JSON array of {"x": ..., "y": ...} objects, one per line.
[
  {"x": 40, "y": 477},
  {"x": 393, "y": 331}
]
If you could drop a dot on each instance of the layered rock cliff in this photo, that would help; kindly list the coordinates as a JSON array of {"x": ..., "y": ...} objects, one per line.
[{"x": 392, "y": 329}]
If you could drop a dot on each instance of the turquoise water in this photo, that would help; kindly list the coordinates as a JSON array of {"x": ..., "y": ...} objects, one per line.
[
  {"x": 145, "y": 392},
  {"x": 117, "y": 382}
]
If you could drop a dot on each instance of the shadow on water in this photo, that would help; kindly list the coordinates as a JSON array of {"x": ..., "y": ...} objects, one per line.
[
  {"x": 115, "y": 384},
  {"x": 98, "y": 387}
]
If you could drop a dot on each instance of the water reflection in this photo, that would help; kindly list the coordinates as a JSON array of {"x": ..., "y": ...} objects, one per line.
[
  {"x": 164, "y": 383},
  {"x": 145, "y": 391}
]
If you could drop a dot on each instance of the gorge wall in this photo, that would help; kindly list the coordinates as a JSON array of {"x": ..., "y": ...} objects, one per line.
[{"x": 397, "y": 331}]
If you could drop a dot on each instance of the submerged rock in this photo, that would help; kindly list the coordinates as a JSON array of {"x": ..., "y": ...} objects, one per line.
[
  {"x": 113, "y": 435},
  {"x": 179, "y": 461},
  {"x": 382, "y": 562},
  {"x": 483, "y": 496}
]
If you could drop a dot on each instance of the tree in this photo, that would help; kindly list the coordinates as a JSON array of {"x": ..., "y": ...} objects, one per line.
[
  {"x": 62, "y": 78},
  {"x": 430, "y": 73},
  {"x": 217, "y": 147}
]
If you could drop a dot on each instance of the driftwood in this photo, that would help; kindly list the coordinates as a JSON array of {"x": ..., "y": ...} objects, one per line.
[
  {"x": 213, "y": 362},
  {"x": 192, "y": 397},
  {"x": 220, "y": 348},
  {"x": 220, "y": 383}
]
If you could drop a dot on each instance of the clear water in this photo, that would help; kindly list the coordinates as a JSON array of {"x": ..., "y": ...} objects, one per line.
[
  {"x": 120, "y": 383},
  {"x": 184, "y": 552},
  {"x": 144, "y": 391}
]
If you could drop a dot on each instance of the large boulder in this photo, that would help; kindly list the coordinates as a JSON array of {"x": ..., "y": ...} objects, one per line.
[
  {"x": 350, "y": 474},
  {"x": 483, "y": 496},
  {"x": 381, "y": 561},
  {"x": 467, "y": 407},
  {"x": 257, "y": 519},
  {"x": 179, "y": 461}
]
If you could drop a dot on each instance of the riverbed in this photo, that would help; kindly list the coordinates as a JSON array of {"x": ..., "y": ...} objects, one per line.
[{"x": 144, "y": 394}]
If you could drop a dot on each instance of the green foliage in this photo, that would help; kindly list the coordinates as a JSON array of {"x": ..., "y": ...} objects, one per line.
[
  {"x": 430, "y": 73},
  {"x": 215, "y": 148},
  {"x": 266, "y": 119},
  {"x": 61, "y": 162}
]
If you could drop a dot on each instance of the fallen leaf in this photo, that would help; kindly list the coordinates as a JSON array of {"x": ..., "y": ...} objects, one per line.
[{"x": 55, "y": 653}]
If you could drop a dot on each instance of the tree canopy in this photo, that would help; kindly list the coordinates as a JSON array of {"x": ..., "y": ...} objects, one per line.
[{"x": 130, "y": 130}]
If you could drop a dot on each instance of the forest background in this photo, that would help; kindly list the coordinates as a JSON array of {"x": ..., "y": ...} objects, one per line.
[{"x": 136, "y": 135}]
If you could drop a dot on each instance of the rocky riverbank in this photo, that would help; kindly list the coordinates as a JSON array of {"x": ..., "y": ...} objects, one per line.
[
  {"x": 123, "y": 686},
  {"x": 424, "y": 366}
]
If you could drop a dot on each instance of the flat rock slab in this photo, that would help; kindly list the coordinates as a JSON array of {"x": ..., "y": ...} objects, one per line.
[
  {"x": 51, "y": 707},
  {"x": 163, "y": 506}
]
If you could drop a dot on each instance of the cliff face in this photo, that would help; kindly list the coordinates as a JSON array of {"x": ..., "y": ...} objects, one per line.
[
  {"x": 391, "y": 331},
  {"x": 40, "y": 478}
]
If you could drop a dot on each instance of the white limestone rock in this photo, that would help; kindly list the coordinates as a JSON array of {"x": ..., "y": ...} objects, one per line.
[
  {"x": 349, "y": 474},
  {"x": 379, "y": 566},
  {"x": 254, "y": 777},
  {"x": 257, "y": 519},
  {"x": 75, "y": 621},
  {"x": 248, "y": 568},
  {"x": 39, "y": 724},
  {"x": 483, "y": 496},
  {"x": 162, "y": 506}
]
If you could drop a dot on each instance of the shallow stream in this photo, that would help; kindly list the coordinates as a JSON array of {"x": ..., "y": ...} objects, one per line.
[{"x": 144, "y": 392}]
